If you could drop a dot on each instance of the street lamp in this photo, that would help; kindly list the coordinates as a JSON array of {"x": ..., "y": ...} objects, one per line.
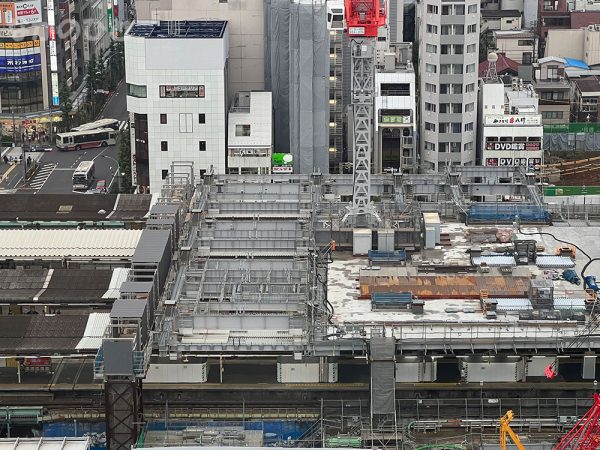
[{"x": 118, "y": 170}]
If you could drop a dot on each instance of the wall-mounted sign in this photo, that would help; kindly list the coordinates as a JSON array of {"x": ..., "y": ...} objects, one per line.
[
  {"x": 404, "y": 120},
  {"x": 534, "y": 119},
  {"x": 20, "y": 12},
  {"x": 53, "y": 53},
  {"x": 529, "y": 162},
  {"x": 513, "y": 146},
  {"x": 182, "y": 91},
  {"x": 109, "y": 15},
  {"x": 20, "y": 57},
  {"x": 282, "y": 163}
]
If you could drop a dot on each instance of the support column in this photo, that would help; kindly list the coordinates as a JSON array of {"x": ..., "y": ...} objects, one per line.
[{"x": 124, "y": 412}]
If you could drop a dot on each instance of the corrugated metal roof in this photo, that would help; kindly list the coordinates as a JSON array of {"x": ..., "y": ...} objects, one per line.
[
  {"x": 94, "y": 330},
  {"x": 128, "y": 309},
  {"x": 513, "y": 304},
  {"x": 68, "y": 243},
  {"x": 553, "y": 261},
  {"x": 569, "y": 303},
  {"x": 151, "y": 246},
  {"x": 136, "y": 287},
  {"x": 494, "y": 260},
  {"x": 119, "y": 275},
  {"x": 45, "y": 443}
]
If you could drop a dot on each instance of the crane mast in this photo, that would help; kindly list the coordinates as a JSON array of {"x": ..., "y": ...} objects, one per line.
[{"x": 363, "y": 19}]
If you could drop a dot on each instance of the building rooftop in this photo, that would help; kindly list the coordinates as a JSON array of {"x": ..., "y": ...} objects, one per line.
[
  {"x": 500, "y": 13},
  {"x": 504, "y": 66},
  {"x": 511, "y": 34},
  {"x": 190, "y": 29},
  {"x": 588, "y": 84}
]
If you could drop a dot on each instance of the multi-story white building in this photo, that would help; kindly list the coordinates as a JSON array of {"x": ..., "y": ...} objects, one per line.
[
  {"x": 511, "y": 130},
  {"x": 176, "y": 76},
  {"x": 395, "y": 112},
  {"x": 246, "y": 23},
  {"x": 250, "y": 136},
  {"x": 448, "y": 36}
]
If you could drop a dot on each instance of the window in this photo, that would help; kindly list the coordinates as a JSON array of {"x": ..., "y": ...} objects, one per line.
[
  {"x": 395, "y": 89},
  {"x": 453, "y": 29},
  {"x": 525, "y": 42},
  {"x": 549, "y": 5},
  {"x": 429, "y": 126},
  {"x": 201, "y": 118},
  {"x": 163, "y": 119},
  {"x": 432, "y": 29},
  {"x": 430, "y": 68},
  {"x": 135, "y": 90},
  {"x": 468, "y": 146},
  {"x": 555, "y": 73},
  {"x": 430, "y": 48},
  {"x": 242, "y": 130},
  {"x": 450, "y": 88},
  {"x": 181, "y": 91},
  {"x": 469, "y": 126},
  {"x": 455, "y": 147},
  {"x": 432, "y": 9},
  {"x": 470, "y": 68},
  {"x": 429, "y": 146},
  {"x": 472, "y": 9},
  {"x": 457, "y": 127},
  {"x": 185, "y": 123},
  {"x": 472, "y": 28},
  {"x": 443, "y": 148},
  {"x": 459, "y": 10},
  {"x": 430, "y": 88},
  {"x": 451, "y": 69},
  {"x": 471, "y": 48},
  {"x": 164, "y": 147},
  {"x": 458, "y": 49},
  {"x": 470, "y": 87},
  {"x": 527, "y": 58},
  {"x": 552, "y": 95},
  {"x": 164, "y": 174},
  {"x": 449, "y": 49},
  {"x": 552, "y": 115},
  {"x": 446, "y": 10},
  {"x": 430, "y": 107},
  {"x": 202, "y": 146},
  {"x": 470, "y": 107}
]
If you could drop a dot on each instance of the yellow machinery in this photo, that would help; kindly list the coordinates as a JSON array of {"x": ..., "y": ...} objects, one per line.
[{"x": 506, "y": 429}]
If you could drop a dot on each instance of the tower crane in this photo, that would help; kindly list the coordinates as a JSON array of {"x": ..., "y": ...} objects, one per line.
[
  {"x": 363, "y": 19},
  {"x": 585, "y": 435},
  {"x": 506, "y": 429}
]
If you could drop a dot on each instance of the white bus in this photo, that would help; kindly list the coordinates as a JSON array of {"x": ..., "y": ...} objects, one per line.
[
  {"x": 76, "y": 140},
  {"x": 113, "y": 124},
  {"x": 83, "y": 177}
]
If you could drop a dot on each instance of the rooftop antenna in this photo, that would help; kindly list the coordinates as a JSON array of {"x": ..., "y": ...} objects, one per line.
[{"x": 492, "y": 74}]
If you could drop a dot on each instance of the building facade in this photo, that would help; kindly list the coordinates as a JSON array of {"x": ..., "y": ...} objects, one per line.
[
  {"x": 177, "y": 104},
  {"x": 335, "y": 26},
  {"x": 553, "y": 89},
  {"x": 586, "y": 92},
  {"x": 448, "y": 67},
  {"x": 395, "y": 118},
  {"x": 250, "y": 135},
  {"x": 511, "y": 130},
  {"x": 246, "y": 23}
]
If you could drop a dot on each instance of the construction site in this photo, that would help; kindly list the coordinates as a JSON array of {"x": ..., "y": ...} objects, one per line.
[{"x": 248, "y": 313}]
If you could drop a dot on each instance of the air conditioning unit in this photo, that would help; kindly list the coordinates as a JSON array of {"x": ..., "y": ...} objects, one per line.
[{"x": 597, "y": 27}]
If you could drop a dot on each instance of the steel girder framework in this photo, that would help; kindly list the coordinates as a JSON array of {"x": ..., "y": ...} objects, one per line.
[
  {"x": 124, "y": 412},
  {"x": 363, "y": 87}
]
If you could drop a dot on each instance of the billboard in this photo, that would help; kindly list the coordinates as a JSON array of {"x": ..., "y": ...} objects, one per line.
[
  {"x": 20, "y": 57},
  {"x": 20, "y": 12},
  {"x": 282, "y": 163},
  {"x": 505, "y": 119},
  {"x": 529, "y": 162},
  {"x": 513, "y": 146}
]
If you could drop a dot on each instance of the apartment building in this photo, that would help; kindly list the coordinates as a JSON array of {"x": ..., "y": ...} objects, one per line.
[
  {"x": 448, "y": 35},
  {"x": 553, "y": 89},
  {"x": 177, "y": 104}
]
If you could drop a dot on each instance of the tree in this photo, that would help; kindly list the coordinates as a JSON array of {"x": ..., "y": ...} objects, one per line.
[
  {"x": 66, "y": 105},
  {"x": 125, "y": 160}
]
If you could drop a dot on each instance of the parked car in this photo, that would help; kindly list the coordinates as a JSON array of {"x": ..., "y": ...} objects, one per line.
[
  {"x": 40, "y": 148},
  {"x": 101, "y": 186}
]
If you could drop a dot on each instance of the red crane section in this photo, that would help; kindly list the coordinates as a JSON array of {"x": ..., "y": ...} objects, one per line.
[
  {"x": 364, "y": 17},
  {"x": 585, "y": 435}
]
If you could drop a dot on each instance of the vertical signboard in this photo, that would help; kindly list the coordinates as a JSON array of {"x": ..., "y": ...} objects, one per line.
[
  {"x": 109, "y": 15},
  {"x": 53, "y": 58},
  {"x": 116, "y": 17}
]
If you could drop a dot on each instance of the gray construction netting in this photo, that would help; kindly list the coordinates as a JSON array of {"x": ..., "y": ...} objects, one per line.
[
  {"x": 383, "y": 375},
  {"x": 587, "y": 142},
  {"x": 297, "y": 39}
]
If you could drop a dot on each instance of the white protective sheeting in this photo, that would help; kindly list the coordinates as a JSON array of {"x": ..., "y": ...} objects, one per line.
[
  {"x": 94, "y": 330},
  {"x": 45, "y": 443},
  {"x": 569, "y": 303},
  {"x": 513, "y": 304},
  {"x": 494, "y": 260},
  {"x": 119, "y": 275},
  {"x": 56, "y": 244}
]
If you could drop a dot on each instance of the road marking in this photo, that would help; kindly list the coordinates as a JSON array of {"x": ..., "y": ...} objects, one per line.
[
  {"x": 42, "y": 176},
  {"x": 122, "y": 125},
  {"x": 7, "y": 173}
]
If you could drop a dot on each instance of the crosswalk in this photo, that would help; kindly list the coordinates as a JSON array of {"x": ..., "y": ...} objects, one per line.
[
  {"x": 42, "y": 176},
  {"x": 123, "y": 125}
]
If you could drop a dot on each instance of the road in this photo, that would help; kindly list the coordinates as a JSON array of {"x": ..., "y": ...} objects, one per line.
[{"x": 56, "y": 167}]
